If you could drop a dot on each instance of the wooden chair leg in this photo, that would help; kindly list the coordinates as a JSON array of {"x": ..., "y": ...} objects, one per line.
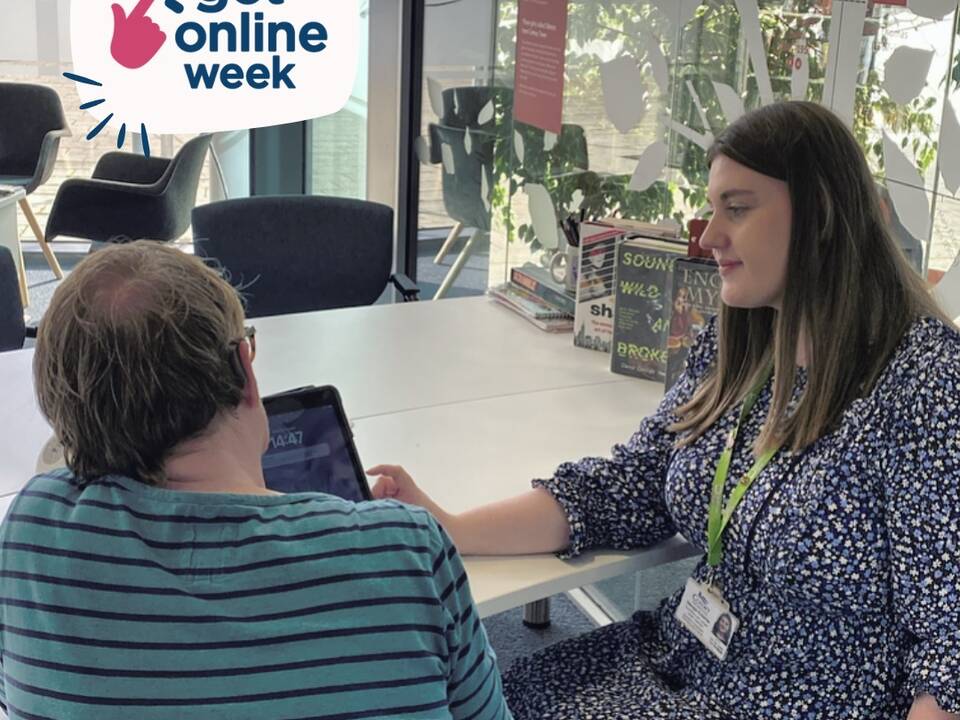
[
  {"x": 44, "y": 246},
  {"x": 21, "y": 276},
  {"x": 448, "y": 243},
  {"x": 458, "y": 264}
]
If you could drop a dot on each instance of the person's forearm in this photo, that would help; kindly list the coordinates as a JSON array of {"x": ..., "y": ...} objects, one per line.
[
  {"x": 530, "y": 523},
  {"x": 925, "y": 707}
]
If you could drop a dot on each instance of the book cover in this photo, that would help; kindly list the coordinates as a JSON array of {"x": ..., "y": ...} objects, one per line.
[
  {"x": 550, "y": 325},
  {"x": 695, "y": 299},
  {"x": 540, "y": 282},
  {"x": 593, "y": 319},
  {"x": 644, "y": 275},
  {"x": 526, "y": 302}
]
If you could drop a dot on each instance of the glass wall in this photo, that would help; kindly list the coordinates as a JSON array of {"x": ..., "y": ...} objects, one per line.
[
  {"x": 646, "y": 86},
  {"x": 338, "y": 142}
]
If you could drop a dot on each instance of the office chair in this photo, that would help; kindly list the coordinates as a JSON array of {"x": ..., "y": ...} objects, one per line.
[
  {"x": 131, "y": 196},
  {"x": 295, "y": 253},
  {"x": 12, "y": 330},
  {"x": 31, "y": 125}
]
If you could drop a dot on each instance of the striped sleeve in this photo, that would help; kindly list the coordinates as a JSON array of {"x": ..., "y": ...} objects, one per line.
[{"x": 473, "y": 680}]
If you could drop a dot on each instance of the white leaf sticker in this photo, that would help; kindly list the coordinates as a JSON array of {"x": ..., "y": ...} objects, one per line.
[
  {"x": 518, "y": 145},
  {"x": 486, "y": 113},
  {"x": 906, "y": 189},
  {"x": 446, "y": 152},
  {"x": 950, "y": 148},
  {"x": 905, "y": 73},
  {"x": 730, "y": 102},
  {"x": 623, "y": 95},
  {"x": 543, "y": 214},
  {"x": 651, "y": 164},
  {"x": 934, "y": 9}
]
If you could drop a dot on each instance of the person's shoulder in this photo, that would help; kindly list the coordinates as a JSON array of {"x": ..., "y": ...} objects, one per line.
[
  {"x": 57, "y": 486},
  {"x": 924, "y": 371},
  {"x": 392, "y": 518},
  {"x": 930, "y": 349}
]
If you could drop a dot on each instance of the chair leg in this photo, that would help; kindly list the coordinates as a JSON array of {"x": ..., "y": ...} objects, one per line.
[
  {"x": 44, "y": 246},
  {"x": 448, "y": 243},
  {"x": 458, "y": 264},
  {"x": 21, "y": 276}
]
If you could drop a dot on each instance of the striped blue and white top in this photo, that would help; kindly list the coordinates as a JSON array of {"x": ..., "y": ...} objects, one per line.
[{"x": 124, "y": 601}]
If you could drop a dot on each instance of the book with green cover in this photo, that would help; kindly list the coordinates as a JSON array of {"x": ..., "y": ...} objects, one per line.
[{"x": 641, "y": 319}]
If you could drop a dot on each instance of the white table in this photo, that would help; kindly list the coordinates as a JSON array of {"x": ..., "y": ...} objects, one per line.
[{"x": 471, "y": 399}]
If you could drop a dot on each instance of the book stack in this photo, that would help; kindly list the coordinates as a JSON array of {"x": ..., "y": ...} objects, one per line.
[
  {"x": 533, "y": 294},
  {"x": 597, "y": 294}
]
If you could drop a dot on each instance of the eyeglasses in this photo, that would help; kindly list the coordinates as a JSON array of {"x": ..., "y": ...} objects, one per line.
[{"x": 250, "y": 335}]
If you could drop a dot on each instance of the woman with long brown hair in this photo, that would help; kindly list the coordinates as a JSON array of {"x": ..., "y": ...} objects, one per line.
[{"x": 810, "y": 449}]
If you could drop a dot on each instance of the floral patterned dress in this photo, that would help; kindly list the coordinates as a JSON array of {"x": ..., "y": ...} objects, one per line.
[{"x": 842, "y": 562}]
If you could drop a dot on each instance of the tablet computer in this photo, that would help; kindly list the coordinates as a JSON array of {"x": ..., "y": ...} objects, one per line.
[{"x": 311, "y": 445}]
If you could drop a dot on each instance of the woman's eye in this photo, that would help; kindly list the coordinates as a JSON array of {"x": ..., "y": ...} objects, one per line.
[{"x": 736, "y": 210}]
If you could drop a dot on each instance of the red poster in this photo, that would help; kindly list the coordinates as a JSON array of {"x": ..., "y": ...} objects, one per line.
[{"x": 541, "y": 57}]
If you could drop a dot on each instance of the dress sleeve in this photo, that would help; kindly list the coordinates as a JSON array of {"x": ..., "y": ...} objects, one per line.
[
  {"x": 618, "y": 501},
  {"x": 923, "y": 520},
  {"x": 474, "y": 689}
]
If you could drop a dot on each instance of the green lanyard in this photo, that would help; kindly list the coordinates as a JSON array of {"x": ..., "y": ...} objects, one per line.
[{"x": 716, "y": 519}]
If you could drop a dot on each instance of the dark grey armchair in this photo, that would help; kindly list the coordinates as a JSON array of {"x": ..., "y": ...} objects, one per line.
[
  {"x": 295, "y": 253},
  {"x": 31, "y": 125},
  {"x": 131, "y": 196},
  {"x": 12, "y": 330}
]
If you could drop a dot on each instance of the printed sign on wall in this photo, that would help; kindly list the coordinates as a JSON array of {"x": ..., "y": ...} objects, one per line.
[
  {"x": 212, "y": 65},
  {"x": 540, "y": 63}
]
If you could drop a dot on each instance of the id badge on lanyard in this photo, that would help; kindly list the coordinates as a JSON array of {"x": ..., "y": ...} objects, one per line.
[
  {"x": 705, "y": 613},
  {"x": 703, "y": 610}
]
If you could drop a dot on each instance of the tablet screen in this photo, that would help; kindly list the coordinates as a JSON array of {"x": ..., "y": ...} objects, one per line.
[{"x": 309, "y": 451}]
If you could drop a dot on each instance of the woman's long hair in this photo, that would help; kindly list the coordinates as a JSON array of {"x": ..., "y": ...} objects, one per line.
[{"x": 848, "y": 284}]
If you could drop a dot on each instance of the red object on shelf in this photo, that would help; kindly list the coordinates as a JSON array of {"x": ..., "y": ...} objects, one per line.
[{"x": 696, "y": 228}]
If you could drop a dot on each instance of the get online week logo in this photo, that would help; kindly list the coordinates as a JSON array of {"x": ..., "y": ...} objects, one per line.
[{"x": 212, "y": 65}]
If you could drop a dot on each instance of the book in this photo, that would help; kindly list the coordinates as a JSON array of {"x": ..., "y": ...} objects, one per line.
[
  {"x": 644, "y": 277},
  {"x": 695, "y": 299},
  {"x": 540, "y": 282},
  {"x": 532, "y": 308},
  {"x": 696, "y": 227},
  {"x": 593, "y": 317},
  {"x": 665, "y": 231}
]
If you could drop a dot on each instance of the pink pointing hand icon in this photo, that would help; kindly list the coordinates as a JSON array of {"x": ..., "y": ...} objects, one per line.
[{"x": 136, "y": 38}]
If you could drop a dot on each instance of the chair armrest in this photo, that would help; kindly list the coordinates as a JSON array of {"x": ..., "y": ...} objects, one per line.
[
  {"x": 102, "y": 187},
  {"x": 103, "y": 209},
  {"x": 46, "y": 159},
  {"x": 130, "y": 168},
  {"x": 407, "y": 287}
]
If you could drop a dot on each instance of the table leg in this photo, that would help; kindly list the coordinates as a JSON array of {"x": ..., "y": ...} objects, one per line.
[{"x": 537, "y": 614}]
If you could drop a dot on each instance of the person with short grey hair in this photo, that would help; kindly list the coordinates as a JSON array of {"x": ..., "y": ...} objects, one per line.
[{"x": 157, "y": 577}]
